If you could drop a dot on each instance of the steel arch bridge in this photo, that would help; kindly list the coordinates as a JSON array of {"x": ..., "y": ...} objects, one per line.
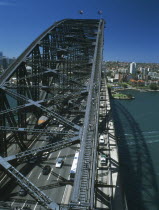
[{"x": 55, "y": 82}]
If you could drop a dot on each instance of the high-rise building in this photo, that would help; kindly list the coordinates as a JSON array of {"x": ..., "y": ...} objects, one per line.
[
  {"x": 1, "y": 54},
  {"x": 132, "y": 68},
  {"x": 5, "y": 61}
]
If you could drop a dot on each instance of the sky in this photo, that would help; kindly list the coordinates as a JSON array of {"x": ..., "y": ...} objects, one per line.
[{"x": 131, "y": 33}]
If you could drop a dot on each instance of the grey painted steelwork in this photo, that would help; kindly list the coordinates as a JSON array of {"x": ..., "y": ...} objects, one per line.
[
  {"x": 56, "y": 78},
  {"x": 45, "y": 109},
  {"x": 26, "y": 184},
  {"x": 50, "y": 147},
  {"x": 42, "y": 131},
  {"x": 23, "y": 56},
  {"x": 83, "y": 191},
  {"x": 57, "y": 98}
]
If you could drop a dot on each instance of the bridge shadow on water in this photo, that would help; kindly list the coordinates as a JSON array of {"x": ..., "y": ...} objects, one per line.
[{"x": 136, "y": 166}]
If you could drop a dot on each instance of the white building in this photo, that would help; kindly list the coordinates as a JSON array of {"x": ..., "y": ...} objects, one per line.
[
  {"x": 144, "y": 72},
  {"x": 132, "y": 68}
]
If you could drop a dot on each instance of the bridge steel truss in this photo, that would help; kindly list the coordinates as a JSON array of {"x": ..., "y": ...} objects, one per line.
[{"x": 58, "y": 76}]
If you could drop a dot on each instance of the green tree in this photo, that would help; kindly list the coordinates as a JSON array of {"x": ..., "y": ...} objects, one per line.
[
  {"x": 153, "y": 86},
  {"x": 124, "y": 85},
  {"x": 109, "y": 73}
]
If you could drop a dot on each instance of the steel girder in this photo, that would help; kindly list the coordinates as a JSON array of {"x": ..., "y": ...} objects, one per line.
[
  {"x": 26, "y": 184},
  {"x": 83, "y": 192},
  {"x": 63, "y": 62}
]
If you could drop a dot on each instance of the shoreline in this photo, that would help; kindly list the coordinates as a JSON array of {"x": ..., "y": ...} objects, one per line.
[
  {"x": 117, "y": 95},
  {"x": 141, "y": 90},
  {"x": 123, "y": 98}
]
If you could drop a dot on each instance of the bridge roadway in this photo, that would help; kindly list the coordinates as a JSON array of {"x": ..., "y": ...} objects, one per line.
[
  {"x": 108, "y": 186},
  {"x": 54, "y": 184}
]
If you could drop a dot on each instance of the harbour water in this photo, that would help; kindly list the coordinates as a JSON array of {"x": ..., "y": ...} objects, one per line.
[{"x": 137, "y": 129}]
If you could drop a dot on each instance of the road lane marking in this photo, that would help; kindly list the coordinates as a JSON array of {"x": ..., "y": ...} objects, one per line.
[
  {"x": 39, "y": 175},
  {"x": 52, "y": 168},
  {"x": 33, "y": 141},
  {"x": 64, "y": 195},
  {"x": 24, "y": 204},
  {"x": 50, "y": 155},
  {"x": 30, "y": 174},
  {"x": 66, "y": 155},
  {"x": 3, "y": 178},
  {"x": 65, "y": 191},
  {"x": 31, "y": 144},
  {"x": 59, "y": 154},
  {"x": 58, "y": 177},
  {"x": 50, "y": 174},
  {"x": 35, "y": 205},
  {"x": 12, "y": 203}
]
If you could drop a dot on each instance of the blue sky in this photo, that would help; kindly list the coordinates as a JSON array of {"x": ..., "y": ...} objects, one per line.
[{"x": 131, "y": 34}]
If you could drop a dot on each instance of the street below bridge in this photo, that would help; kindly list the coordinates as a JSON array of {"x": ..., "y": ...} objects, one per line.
[{"x": 53, "y": 185}]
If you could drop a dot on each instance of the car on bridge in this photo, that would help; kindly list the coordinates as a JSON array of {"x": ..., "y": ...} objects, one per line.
[
  {"x": 50, "y": 139},
  {"x": 59, "y": 162},
  {"x": 101, "y": 139},
  {"x": 44, "y": 155},
  {"x": 46, "y": 170},
  {"x": 103, "y": 159},
  {"x": 22, "y": 192}
]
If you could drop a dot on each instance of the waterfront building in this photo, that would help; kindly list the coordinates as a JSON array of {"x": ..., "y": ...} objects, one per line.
[
  {"x": 144, "y": 72},
  {"x": 139, "y": 76},
  {"x": 129, "y": 77},
  {"x": 132, "y": 68},
  {"x": 153, "y": 75},
  {"x": 123, "y": 70}
]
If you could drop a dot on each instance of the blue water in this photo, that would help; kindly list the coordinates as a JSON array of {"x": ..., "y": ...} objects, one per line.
[{"x": 137, "y": 129}]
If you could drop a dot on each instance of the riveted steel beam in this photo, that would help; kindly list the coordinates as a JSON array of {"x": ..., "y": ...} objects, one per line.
[
  {"x": 29, "y": 186},
  {"x": 50, "y": 147},
  {"x": 83, "y": 191}
]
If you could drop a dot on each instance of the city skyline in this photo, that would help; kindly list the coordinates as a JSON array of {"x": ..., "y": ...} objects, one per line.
[{"x": 131, "y": 33}]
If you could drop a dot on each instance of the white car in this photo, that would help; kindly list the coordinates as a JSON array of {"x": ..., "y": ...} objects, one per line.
[
  {"x": 101, "y": 139},
  {"x": 59, "y": 162},
  {"x": 102, "y": 105},
  {"x": 45, "y": 155},
  {"x": 103, "y": 160}
]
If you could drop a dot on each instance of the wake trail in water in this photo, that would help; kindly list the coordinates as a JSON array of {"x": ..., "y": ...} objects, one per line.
[
  {"x": 141, "y": 138},
  {"x": 143, "y": 132},
  {"x": 146, "y": 137},
  {"x": 142, "y": 142}
]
